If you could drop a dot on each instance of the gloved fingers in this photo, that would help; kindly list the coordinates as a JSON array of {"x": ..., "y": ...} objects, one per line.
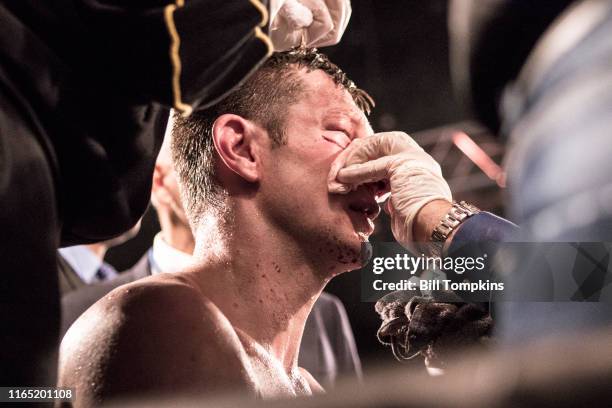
[
  {"x": 368, "y": 172},
  {"x": 283, "y": 38},
  {"x": 371, "y": 148},
  {"x": 394, "y": 142},
  {"x": 333, "y": 185},
  {"x": 409, "y": 205},
  {"x": 380, "y": 145},
  {"x": 340, "y": 11},
  {"x": 338, "y": 188},
  {"x": 401, "y": 172},
  {"x": 295, "y": 20},
  {"x": 413, "y": 162},
  {"x": 366, "y": 149},
  {"x": 322, "y": 22},
  {"x": 297, "y": 14},
  {"x": 414, "y": 182},
  {"x": 274, "y": 7}
]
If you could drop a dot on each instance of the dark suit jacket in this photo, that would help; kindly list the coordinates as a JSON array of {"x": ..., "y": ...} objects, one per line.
[
  {"x": 68, "y": 279},
  {"x": 327, "y": 350},
  {"x": 108, "y": 154}
]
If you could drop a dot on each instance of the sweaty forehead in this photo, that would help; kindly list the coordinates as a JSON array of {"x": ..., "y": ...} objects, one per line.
[{"x": 326, "y": 98}]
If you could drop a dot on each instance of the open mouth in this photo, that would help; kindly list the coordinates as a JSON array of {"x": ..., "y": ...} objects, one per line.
[
  {"x": 363, "y": 210},
  {"x": 365, "y": 205}
]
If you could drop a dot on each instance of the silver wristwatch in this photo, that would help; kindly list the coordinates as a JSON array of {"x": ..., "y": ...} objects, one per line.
[{"x": 459, "y": 212}]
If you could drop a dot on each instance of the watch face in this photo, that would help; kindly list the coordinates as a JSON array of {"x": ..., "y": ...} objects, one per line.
[{"x": 468, "y": 208}]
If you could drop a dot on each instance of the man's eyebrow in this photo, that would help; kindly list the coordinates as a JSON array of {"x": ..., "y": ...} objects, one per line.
[
  {"x": 353, "y": 117},
  {"x": 354, "y": 120}
]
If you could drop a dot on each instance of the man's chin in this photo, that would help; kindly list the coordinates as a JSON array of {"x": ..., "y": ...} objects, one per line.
[
  {"x": 363, "y": 236},
  {"x": 343, "y": 247},
  {"x": 354, "y": 252}
]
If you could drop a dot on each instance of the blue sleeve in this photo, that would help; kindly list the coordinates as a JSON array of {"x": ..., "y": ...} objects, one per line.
[
  {"x": 483, "y": 227},
  {"x": 479, "y": 236}
]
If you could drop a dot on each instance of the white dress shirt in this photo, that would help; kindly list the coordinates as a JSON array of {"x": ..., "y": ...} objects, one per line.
[
  {"x": 87, "y": 264},
  {"x": 165, "y": 258}
]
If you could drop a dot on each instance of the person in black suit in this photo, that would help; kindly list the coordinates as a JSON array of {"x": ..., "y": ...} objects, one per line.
[
  {"x": 327, "y": 349},
  {"x": 85, "y": 88},
  {"x": 82, "y": 265}
]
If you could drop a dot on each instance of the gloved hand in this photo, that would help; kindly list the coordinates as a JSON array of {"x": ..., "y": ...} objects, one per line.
[
  {"x": 414, "y": 177},
  {"x": 321, "y": 22}
]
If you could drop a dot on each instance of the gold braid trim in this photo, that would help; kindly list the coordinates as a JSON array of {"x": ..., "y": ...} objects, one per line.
[
  {"x": 264, "y": 20},
  {"x": 260, "y": 34},
  {"x": 263, "y": 10},
  {"x": 175, "y": 58}
]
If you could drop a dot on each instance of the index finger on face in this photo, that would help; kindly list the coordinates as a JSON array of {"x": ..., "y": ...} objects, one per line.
[
  {"x": 340, "y": 162},
  {"x": 381, "y": 145}
]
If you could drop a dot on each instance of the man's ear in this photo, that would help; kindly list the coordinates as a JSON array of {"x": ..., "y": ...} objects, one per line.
[{"x": 234, "y": 138}]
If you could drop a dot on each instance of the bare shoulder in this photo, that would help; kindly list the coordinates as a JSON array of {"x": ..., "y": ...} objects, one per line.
[{"x": 156, "y": 335}]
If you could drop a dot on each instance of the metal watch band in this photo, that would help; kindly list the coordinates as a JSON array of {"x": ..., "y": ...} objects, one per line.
[{"x": 459, "y": 212}]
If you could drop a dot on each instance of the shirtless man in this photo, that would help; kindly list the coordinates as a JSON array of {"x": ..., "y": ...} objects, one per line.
[{"x": 253, "y": 173}]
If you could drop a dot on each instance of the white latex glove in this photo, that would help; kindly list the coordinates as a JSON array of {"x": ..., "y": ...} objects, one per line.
[
  {"x": 414, "y": 177},
  {"x": 321, "y": 22}
]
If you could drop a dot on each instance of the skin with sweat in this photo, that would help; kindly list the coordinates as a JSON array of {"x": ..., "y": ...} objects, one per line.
[{"x": 235, "y": 319}]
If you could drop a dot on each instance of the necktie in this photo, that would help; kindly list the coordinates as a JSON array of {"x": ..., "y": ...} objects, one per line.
[{"x": 104, "y": 272}]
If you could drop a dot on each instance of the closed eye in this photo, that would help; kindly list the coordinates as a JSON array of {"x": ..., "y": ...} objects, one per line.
[{"x": 338, "y": 137}]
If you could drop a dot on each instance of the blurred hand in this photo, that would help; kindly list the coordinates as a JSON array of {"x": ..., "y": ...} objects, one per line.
[
  {"x": 320, "y": 22},
  {"x": 414, "y": 178},
  {"x": 434, "y": 327},
  {"x": 438, "y": 330}
]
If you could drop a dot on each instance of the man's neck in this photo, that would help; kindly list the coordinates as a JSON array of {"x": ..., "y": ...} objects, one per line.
[
  {"x": 98, "y": 249},
  {"x": 260, "y": 281}
]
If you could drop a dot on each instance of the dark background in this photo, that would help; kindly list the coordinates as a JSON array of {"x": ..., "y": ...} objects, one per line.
[{"x": 397, "y": 50}]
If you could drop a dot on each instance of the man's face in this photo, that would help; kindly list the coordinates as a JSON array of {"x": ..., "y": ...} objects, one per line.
[
  {"x": 165, "y": 194},
  {"x": 176, "y": 205},
  {"x": 330, "y": 227}
]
